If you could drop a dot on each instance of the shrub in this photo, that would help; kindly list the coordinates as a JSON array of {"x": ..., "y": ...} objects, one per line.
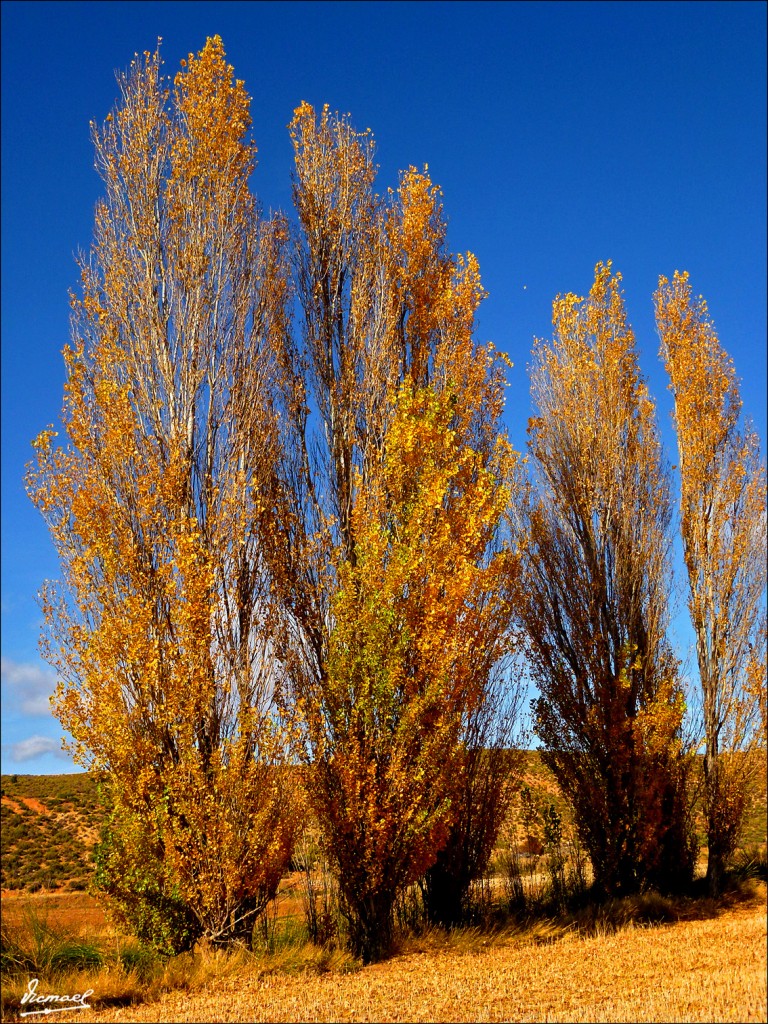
[{"x": 131, "y": 874}]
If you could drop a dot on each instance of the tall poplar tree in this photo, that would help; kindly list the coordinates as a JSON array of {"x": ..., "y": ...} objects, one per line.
[
  {"x": 159, "y": 505},
  {"x": 400, "y": 592},
  {"x": 723, "y": 525},
  {"x": 596, "y": 596}
]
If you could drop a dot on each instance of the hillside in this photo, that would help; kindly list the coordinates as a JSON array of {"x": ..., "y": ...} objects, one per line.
[{"x": 50, "y": 824}]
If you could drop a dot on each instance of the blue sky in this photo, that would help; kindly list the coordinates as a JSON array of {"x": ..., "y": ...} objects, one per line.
[{"x": 562, "y": 134}]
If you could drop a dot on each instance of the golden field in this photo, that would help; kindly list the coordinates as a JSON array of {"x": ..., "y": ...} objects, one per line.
[{"x": 708, "y": 966}]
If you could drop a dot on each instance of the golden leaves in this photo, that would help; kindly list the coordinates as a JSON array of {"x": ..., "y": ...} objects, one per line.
[
  {"x": 411, "y": 472},
  {"x": 334, "y": 173},
  {"x": 723, "y": 526},
  {"x": 215, "y": 112}
]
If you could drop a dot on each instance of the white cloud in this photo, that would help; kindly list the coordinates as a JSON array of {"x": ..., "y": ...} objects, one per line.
[
  {"x": 35, "y": 746},
  {"x": 30, "y": 686}
]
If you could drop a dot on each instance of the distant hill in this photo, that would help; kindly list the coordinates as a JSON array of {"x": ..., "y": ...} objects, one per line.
[{"x": 50, "y": 824}]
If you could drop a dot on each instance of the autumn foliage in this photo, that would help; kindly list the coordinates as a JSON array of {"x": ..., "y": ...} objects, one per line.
[
  {"x": 723, "y": 526},
  {"x": 401, "y": 605},
  {"x": 160, "y": 628},
  {"x": 301, "y": 563},
  {"x": 597, "y": 592}
]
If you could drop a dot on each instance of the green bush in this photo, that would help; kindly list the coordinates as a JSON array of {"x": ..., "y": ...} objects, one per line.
[
  {"x": 751, "y": 862},
  {"x": 140, "y": 959},
  {"x": 131, "y": 874}
]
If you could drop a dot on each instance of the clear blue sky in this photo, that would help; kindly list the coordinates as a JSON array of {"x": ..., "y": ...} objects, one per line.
[{"x": 561, "y": 133}]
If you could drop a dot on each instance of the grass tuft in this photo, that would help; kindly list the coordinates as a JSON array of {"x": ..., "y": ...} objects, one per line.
[
  {"x": 751, "y": 862},
  {"x": 34, "y": 946}
]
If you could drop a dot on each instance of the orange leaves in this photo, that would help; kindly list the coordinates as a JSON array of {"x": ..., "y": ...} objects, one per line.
[
  {"x": 660, "y": 720},
  {"x": 334, "y": 174},
  {"x": 702, "y": 376},
  {"x": 215, "y": 111},
  {"x": 417, "y": 231},
  {"x": 227, "y": 562},
  {"x": 594, "y": 405},
  {"x": 723, "y": 487},
  {"x": 439, "y": 293}
]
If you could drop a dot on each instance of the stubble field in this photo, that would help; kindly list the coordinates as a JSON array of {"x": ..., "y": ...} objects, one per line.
[{"x": 711, "y": 967}]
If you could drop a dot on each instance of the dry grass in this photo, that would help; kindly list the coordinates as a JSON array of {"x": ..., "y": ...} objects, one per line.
[
  {"x": 706, "y": 969},
  {"x": 75, "y": 912}
]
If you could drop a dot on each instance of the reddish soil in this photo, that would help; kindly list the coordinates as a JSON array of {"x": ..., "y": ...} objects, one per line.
[{"x": 28, "y": 801}]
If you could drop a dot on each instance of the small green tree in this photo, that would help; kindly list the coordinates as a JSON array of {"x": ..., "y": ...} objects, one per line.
[{"x": 142, "y": 895}]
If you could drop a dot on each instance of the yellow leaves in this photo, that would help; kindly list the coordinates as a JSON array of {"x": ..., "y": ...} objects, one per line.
[
  {"x": 723, "y": 528},
  {"x": 215, "y": 110},
  {"x": 424, "y": 273},
  {"x": 598, "y": 570},
  {"x": 161, "y": 623},
  {"x": 42, "y": 443},
  {"x": 194, "y": 498},
  {"x": 596, "y": 413},
  {"x": 420, "y": 215},
  {"x": 303, "y": 117},
  {"x": 702, "y": 377},
  {"x": 417, "y": 557},
  {"x": 334, "y": 171},
  {"x": 659, "y": 720}
]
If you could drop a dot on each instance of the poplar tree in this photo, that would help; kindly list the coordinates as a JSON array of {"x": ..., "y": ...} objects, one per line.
[
  {"x": 160, "y": 502},
  {"x": 596, "y": 596},
  {"x": 723, "y": 526},
  {"x": 401, "y": 586}
]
